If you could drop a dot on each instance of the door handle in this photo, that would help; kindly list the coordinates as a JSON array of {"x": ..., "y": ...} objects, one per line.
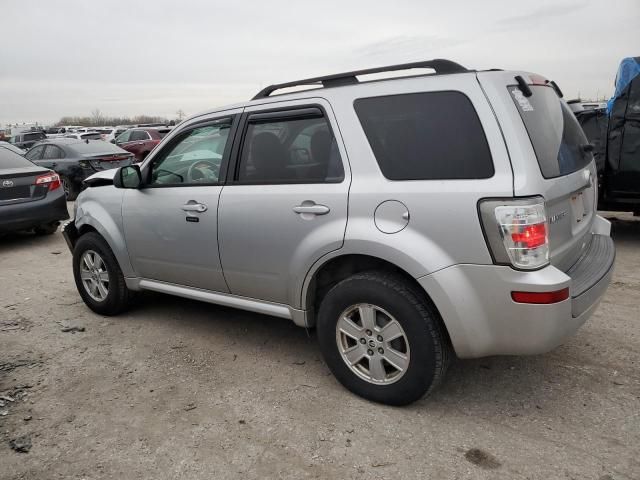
[
  {"x": 193, "y": 206},
  {"x": 312, "y": 208}
]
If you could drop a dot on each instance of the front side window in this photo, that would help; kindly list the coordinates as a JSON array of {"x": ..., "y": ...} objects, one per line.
[
  {"x": 426, "y": 136},
  {"x": 124, "y": 137},
  {"x": 194, "y": 157},
  {"x": 52, "y": 152},
  {"x": 35, "y": 153},
  {"x": 290, "y": 150}
]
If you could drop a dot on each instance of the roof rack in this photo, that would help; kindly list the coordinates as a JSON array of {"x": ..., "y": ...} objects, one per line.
[{"x": 441, "y": 66}]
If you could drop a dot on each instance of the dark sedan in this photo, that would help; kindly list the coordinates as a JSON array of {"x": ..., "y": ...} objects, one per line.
[
  {"x": 31, "y": 197},
  {"x": 74, "y": 160}
]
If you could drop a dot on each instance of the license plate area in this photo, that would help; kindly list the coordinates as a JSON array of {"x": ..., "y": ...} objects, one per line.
[{"x": 578, "y": 208}]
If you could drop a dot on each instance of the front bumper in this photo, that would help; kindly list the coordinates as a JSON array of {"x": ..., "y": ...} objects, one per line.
[
  {"x": 482, "y": 319},
  {"x": 70, "y": 233},
  {"x": 27, "y": 215}
]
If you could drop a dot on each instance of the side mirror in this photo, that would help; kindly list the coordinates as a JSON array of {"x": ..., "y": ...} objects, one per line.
[
  {"x": 113, "y": 140},
  {"x": 128, "y": 177}
]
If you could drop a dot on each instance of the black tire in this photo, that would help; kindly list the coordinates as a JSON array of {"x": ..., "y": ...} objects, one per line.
[
  {"x": 46, "y": 229},
  {"x": 71, "y": 190},
  {"x": 118, "y": 295},
  {"x": 430, "y": 349}
]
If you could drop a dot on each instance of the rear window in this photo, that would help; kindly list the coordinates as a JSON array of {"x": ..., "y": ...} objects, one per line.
[
  {"x": 33, "y": 136},
  {"x": 8, "y": 159},
  {"x": 95, "y": 147},
  {"x": 555, "y": 133},
  {"x": 162, "y": 133},
  {"x": 91, "y": 136},
  {"x": 426, "y": 136}
]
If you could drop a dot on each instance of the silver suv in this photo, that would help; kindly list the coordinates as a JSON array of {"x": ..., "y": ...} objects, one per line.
[{"x": 407, "y": 219}]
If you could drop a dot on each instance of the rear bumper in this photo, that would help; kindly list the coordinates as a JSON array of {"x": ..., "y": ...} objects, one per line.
[
  {"x": 482, "y": 319},
  {"x": 27, "y": 215}
]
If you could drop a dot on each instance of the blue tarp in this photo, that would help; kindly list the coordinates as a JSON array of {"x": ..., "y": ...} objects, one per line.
[{"x": 628, "y": 70}]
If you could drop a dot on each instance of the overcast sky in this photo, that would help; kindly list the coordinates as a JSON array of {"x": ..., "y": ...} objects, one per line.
[{"x": 132, "y": 57}]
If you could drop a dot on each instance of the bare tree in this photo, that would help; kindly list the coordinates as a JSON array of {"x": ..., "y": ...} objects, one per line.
[
  {"x": 180, "y": 114},
  {"x": 96, "y": 116}
]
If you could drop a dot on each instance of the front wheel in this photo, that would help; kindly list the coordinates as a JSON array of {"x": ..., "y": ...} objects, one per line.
[
  {"x": 98, "y": 277},
  {"x": 71, "y": 190},
  {"x": 381, "y": 339}
]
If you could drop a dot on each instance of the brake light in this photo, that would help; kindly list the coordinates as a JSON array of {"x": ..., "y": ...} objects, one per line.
[
  {"x": 541, "y": 298},
  {"x": 51, "y": 179},
  {"x": 517, "y": 231},
  {"x": 531, "y": 236}
]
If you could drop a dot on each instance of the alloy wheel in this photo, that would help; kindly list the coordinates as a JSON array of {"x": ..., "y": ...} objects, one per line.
[
  {"x": 94, "y": 275},
  {"x": 373, "y": 344}
]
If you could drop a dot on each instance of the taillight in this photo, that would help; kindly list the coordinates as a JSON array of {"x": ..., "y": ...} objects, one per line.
[
  {"x": 51, "y": 179},
  {"x": 517, "y": 231}
]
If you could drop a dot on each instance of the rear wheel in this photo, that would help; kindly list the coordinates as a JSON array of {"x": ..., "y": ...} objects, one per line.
[
  {"x": 98, "y": 277},
  {"x": 381, "y": 339},
  {"x": 71, "y": 191},
  {"x": 46, "y": 229}
]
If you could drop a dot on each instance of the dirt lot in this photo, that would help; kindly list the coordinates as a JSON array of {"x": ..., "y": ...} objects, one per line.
[{"x": 179, "y": 389}]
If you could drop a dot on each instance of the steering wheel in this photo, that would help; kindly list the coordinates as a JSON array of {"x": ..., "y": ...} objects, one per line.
[{"x": 194, "y": 174}]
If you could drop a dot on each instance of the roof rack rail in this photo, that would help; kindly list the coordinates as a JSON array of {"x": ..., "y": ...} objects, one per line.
[{"x": 441, "y": 66}]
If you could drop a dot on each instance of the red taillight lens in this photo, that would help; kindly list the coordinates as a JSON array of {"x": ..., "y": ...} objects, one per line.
[
  {"x": 52, "y": 179},
  {"x": 531, "y": 236},
  {"x": 540, "y": 297}
]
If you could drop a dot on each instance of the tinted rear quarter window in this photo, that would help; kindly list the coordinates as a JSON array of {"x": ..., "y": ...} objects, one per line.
[
  {"x": 426, "y": 136},
  {"x": 554, "y": 131}
]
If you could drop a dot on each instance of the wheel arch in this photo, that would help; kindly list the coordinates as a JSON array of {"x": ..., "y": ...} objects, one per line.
[
  {"x": 102, "y": 224},
  {"x": 337, "y": 268}
]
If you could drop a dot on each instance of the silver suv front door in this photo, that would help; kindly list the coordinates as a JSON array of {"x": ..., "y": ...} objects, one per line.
[
  {"x": 286, "y": 204},
  {"x": 171, "y": 224}
]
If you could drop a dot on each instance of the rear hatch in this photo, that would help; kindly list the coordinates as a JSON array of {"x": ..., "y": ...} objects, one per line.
[
  {"x": 18, "y": 179},
  {"x": 550, "y": 156}
]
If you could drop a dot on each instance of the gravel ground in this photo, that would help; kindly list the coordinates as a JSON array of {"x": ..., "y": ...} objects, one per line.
[{"x": 180, "y": 389}]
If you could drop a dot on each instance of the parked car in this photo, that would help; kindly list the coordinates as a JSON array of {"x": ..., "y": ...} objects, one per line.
[
  {"x": 55, "y": 132},
  {"x": 74, "y": 160},
  {"x": 12, "y": 147},
  {"x": 620, "y": 189},
  {"x": 31, "y": 197},
  {"x": 26, "y": 140},
  {"x": 140, "y": 141},
  {"x": 461, "y": 221},
  {"x": 115, "y": 132},
  {"x": 85, "y": 136}
]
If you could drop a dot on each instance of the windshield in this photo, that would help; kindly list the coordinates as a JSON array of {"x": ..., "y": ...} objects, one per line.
[{"x": 555, "y": 134}]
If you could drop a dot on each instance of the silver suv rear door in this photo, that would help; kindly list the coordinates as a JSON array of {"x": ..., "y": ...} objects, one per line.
[
  {"x": 285, "y": 203},
  {"x": 547, "y": 150}
]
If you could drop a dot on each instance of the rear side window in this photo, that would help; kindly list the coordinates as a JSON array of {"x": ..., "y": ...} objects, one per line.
[
  {"x": 555, "y": 133},
  {"x": 426, "y": 136}
]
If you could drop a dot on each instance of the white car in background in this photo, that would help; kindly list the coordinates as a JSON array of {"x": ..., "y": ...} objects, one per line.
[{"x": 85, "y": 136}]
